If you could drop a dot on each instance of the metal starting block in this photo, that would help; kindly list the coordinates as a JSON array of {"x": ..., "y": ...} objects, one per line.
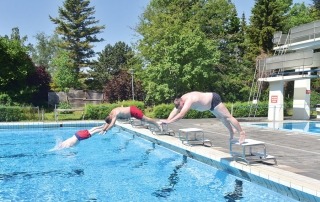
[
  {"x": 165, "y": 131},
  {"x": 186, "y": 134},
  {"x": 257, "y": 151}
]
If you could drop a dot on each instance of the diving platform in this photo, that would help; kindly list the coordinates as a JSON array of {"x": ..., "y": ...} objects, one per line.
[
  {"x": 311, "y": 43},
  {"x": 288, "y": 78},
  {"x": 306, "y": 36},
  {"x": 297, "y": 59}
]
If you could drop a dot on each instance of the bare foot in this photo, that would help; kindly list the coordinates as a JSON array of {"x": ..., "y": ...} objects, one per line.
[
  {"x": 160, "y": 126},
  {"x": 242, "y": 137}
]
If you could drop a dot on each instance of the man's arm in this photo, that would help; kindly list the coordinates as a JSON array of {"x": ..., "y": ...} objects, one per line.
[
  {"x": 108, "y": 126},
  {"x": 176, "y": 114},
  {"x": 173, "y": 113}
]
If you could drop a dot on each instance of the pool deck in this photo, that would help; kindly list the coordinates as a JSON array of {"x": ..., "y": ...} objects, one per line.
[{"x": 297, "y": 153}]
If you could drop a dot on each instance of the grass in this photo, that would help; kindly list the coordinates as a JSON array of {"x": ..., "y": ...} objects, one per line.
[{"x": 73, "y": 116}]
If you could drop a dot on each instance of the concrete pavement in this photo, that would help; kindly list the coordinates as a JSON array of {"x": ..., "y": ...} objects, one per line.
[{"x": 296, "y": 152}]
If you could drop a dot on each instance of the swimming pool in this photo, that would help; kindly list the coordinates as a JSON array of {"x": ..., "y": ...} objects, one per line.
[
  {"x": 119, "y": 166},
  {"x": 303, "y": 126}
]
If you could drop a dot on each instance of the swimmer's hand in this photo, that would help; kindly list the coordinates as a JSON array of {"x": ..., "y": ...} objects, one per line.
[
  {"x": 164, "y": 121},
  {"x": 102, "y": 132}
]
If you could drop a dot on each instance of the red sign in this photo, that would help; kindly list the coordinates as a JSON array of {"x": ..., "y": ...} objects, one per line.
[
  {"x": 274, "y": 98},
  {"x": 308, "y": 91}
]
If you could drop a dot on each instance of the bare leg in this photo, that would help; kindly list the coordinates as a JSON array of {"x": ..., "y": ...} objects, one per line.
[
  {"x": 96, "y": 129},
  {"x": 227, "y": 125},
  {"x": 228, "y": 120},
  {"x": 152, "y": 121},
  {"x": 72, "y": 141}
]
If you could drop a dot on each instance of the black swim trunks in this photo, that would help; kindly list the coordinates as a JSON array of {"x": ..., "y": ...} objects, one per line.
[{"x": 216, "y": 100}]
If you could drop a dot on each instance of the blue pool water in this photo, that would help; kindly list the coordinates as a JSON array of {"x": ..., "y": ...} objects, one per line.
[
  {"x": 115, "y": 167},
  {"x": 306, "y": 126}
]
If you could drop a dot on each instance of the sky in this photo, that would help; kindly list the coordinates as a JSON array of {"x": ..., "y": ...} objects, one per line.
[{"x": 119, "y": 17}]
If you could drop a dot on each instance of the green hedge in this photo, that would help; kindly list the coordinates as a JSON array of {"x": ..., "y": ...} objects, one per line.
[
  {"x": 162, "y": 111},
  {"x": 238, "y": 109},
  {"x": 242, "y": 109},
  {"x": 97, "y": 112},
  {"x": 16, "y": 113}
]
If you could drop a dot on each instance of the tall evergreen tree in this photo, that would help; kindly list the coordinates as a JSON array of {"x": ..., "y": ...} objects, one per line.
[
  {"x": 316, "y": 4},
  {"x": 315, "y": 8},
  {"x": 267, "y": 17},
  {"x": 297, "y": 15},
  {"x": 78, "y": 28}
]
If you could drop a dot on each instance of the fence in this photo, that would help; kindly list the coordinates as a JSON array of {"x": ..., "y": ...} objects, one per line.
[{"x": 76, "y": 98}]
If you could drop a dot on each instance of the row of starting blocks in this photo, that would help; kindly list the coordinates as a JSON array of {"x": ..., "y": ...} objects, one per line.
[{"x": 249, "y": 151}]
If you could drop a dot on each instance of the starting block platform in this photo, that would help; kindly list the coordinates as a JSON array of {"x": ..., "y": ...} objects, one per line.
[
  {"x": 165, "y": 131},
  {"x": 185, "y": 133},
  {"x": 138, "y": 123},
  {"x": 256, "y": 152}
]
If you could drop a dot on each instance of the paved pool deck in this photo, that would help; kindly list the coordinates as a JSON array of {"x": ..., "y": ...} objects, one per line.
[
  {"x": 297, "y": 154},
  {"x": 295, "y": 151}
]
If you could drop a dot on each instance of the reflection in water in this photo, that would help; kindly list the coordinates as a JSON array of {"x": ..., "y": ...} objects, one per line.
[
  {"x": 145, "y": 157},
  {"x": 22, "y": 155},
  {"x": 124, "y": 147},
  {"x": 236, "y": 195},
  {"x": 30, "y": 175},
  {"x": 164, "y": 192}
]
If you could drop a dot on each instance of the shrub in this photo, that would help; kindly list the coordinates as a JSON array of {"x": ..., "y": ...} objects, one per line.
[
  {"x": 15, "y": 113},
  {"x": 95, "y": 112},
  {"x": 162, "y": 111},
  {"x": 243, "y": 109},
  {"x": 64, "y": 105},
  {"x": 5, "y": 99}
]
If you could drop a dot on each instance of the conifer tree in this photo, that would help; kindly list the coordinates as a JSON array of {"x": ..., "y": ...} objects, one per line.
[
  {"x": 267, "y": 17},
  {"x": 78, "y": 29}
]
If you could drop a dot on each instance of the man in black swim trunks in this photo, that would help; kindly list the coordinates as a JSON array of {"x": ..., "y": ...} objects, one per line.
[{"x": 203, "y": 101}]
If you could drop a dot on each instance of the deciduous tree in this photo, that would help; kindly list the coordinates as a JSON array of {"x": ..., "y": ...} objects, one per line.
[
  {"x": 44, "y": 50},
  {"x": 111, "y": 60},
  {"x": 178, "y": 54},
  {"x": 65, "y": 76},
  {"x": 16, "y": 66},
  {"x": 119, "y": 88}
]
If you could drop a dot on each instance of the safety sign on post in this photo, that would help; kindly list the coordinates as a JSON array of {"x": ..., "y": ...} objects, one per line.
[{"x": 274, "y": 99}]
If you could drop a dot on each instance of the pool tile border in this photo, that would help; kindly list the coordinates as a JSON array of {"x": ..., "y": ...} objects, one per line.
[{"x": 22, "y": 125}]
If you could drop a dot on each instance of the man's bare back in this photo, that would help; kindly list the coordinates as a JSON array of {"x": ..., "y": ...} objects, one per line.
[
  {"x": 121, "y": 112},
  {"x": 198, "y": 100}
]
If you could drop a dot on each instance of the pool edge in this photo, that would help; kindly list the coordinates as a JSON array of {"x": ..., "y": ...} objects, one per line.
[{"x": 290, "y": 184}]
